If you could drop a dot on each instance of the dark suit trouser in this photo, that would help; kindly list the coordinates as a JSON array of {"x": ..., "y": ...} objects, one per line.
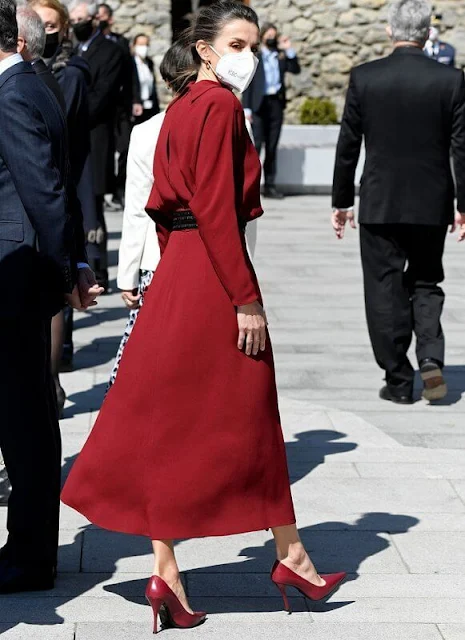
[
  {"x": 30, "y": 439},
  {"x": 402, "y": 267},
  {"x": 123, "y": 128},
  {"x": 266, "y": 125}
]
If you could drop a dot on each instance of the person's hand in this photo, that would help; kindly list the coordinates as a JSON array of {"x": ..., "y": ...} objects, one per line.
[
  {"x": 131, "y": 299},
  {"x": 249, "y": 117},
  {"x": 252, "y": 323},
  {"x": 88, "y": 288},
  {"x": 284, "y": 43},
  {"x": 459, "y": 223},
  {"x": 73, "y": 299},
  {"x": 137, "y": 110},
  {"x": 339, "y": 220}
]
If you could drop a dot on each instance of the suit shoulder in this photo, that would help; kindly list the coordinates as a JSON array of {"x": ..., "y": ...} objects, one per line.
[
  {"x": 111, "y": 48},
  {"x": 374, "y": 66}
]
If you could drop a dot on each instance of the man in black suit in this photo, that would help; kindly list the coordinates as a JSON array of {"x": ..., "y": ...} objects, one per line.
[
  {"x": 265, "y": 100},
  {"x": 38, "y": 270},
  {"x": 106, "y": 62},
  {"x": 123, "y": 122},
  {"x": 411, "y": 113}
]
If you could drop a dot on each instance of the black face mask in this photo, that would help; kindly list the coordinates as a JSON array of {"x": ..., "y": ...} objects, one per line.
[
  {"x": 83, "y": 30},
  {"x": 271, "y": 43},
  {"x": 52, "y": 42},
  {"x": 103, "y": 25}
]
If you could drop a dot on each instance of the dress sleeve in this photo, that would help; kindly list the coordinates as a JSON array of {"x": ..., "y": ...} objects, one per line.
[{"x": 219, "y": 183}]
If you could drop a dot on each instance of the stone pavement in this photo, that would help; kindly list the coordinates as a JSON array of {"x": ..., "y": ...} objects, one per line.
[{"x": 379, "y": 490}]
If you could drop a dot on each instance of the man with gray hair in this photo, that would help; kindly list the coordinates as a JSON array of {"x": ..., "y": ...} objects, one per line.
[
  {"x": 31, "y": 45},
  {"x": 410, "y": 111}
]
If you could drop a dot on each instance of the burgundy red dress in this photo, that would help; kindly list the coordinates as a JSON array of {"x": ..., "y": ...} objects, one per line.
[{"x": 188, "y": 442}]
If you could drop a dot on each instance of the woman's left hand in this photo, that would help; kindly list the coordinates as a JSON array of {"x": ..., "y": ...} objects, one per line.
[{"x": 131, "y": 299}]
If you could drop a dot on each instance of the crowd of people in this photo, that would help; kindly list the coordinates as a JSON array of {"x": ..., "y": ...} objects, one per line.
[{"x": 192, "y": 396}]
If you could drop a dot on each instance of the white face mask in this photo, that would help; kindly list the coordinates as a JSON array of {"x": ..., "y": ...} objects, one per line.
[
  {"x": 141, "y": 50},
  {"x": 236, "y": 69}
]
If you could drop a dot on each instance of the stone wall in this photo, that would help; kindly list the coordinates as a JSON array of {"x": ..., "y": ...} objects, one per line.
[{"x": 330, "y": 37}]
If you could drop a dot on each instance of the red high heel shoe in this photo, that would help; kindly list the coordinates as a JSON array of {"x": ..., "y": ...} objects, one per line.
[
  {"x": 164, "y": 602},
  {"x": 284, "y": 577}
]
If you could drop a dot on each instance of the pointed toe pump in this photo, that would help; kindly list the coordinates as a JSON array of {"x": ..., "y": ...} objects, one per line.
[
  {"x": 284, "y": 577},
  {"x": 166, "y": 604}
]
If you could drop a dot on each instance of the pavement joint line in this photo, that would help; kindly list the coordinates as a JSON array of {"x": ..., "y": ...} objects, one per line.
[
  {"x": 391, "y": 537},
  {"x": 440, "y": 631},
  {"x": 462, "y": 500}
]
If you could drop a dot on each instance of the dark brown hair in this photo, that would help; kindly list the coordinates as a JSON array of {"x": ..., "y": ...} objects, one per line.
[
  {"x": 207, "y": 25},
  {"x": 175, "y": 63},
  {"x": 140, "y": 35},
  {"x": 8, "y": 26},
  {"x": 266, "y": 27}
]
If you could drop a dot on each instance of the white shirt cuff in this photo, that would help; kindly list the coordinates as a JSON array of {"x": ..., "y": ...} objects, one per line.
[
  {"x": 291, "y": 53},
  {"x": 345, "y": 210},
  {"x": 248, "y": 113}
]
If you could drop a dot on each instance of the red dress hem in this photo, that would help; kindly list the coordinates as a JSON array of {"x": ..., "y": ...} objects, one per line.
[{"x": 184, "y": 535}]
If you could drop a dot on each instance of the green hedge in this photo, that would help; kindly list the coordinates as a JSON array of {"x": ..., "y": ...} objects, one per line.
[{"x": 318, "y": 111}]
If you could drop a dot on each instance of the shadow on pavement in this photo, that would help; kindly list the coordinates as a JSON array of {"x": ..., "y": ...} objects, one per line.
[
  {"x": 95, "y": 318},
  {"x": 349, "y": 546}
]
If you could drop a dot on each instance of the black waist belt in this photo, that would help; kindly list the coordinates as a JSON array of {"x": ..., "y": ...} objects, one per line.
[{"x": 183, "y": 220}]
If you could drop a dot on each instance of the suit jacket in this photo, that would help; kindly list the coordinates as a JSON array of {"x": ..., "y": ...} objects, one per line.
[
  {"x": 125, "y": 100},
  {"x": 252, "y": 98},
  {"x": 73, "y": 77},
  {"x": 411, "y": 113},
  {"x": 106, "y": 63},
  {"x": 74, "y": 203},
  {"x": 136, "y": 97},
  {"x": 139, "y": 246},
  {"x": 47, "y": 77},
  {"x": 37, "y": 254}
]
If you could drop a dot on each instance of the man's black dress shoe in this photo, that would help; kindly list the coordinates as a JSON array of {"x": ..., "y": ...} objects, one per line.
[
  {"x": 386, "y": 394},
  {"x": 435, "y": 387},
  {"x": 15, "y": 579},
  {"x": 272, "y": 192}
]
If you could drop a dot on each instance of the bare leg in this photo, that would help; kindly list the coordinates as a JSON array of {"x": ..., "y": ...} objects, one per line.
[
  {"x": 291, "y": 552},
  {"x": 58, "y": 331},
  {"x": 58, "y": 334},
  {"x": 167, "y": 568}
]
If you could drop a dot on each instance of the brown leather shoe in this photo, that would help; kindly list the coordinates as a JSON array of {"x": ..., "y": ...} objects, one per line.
[{"x": 435, "y": 387}]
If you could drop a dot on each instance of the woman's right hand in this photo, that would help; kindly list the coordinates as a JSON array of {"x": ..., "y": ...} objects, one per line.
[
  {"x": 252, "y": 323},
  {"x": 131, "y": 299}
]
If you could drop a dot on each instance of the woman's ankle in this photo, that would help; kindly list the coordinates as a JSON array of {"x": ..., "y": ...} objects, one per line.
[
  {"x": 169, "y": 574},
  {"x": 295, "y": 554}
]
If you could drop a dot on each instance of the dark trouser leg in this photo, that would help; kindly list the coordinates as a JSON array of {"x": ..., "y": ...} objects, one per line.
[
  {"x": 258, "y": 132},
  {"x": 274, "y": 123},
  {"x": 30, "y": 440},
  {"x": 425, "y": 272},
  {"x": 100, "y": 264},
  {"x": 122, "y": 138},
  {"x": 387, "y": 301},
  {"x": 68, "y": 346}
]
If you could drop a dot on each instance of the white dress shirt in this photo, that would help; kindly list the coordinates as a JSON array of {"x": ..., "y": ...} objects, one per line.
[
  {"x": 6, "y": 63},
  {"x": 146, "y": 81},
  {"x": 139, "y": 243}
]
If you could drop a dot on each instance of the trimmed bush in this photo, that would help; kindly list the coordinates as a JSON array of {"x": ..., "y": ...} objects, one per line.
[{"x": 318, "y": 111}]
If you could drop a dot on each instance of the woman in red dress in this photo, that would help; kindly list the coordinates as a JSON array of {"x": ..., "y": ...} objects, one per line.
[{"x": 188, "y": 442}]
